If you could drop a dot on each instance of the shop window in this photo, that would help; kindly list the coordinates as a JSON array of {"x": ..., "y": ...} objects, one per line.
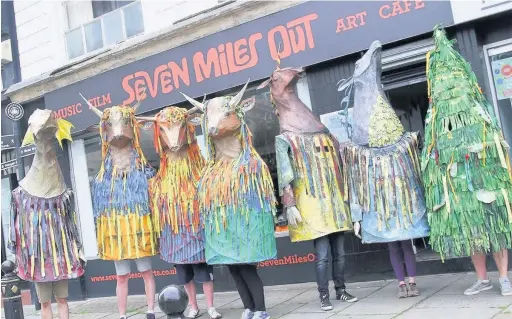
[
  {"x": 499, "y": 70},
  {"x": 114, "y": 21}
]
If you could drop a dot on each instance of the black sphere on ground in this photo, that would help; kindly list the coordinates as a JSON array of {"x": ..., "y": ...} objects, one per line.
[
  {"x": 173, "y": 300},
  {"x": 8, "y": 266}
]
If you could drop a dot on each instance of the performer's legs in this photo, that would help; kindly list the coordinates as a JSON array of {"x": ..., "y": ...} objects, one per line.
[
  {"x": 395, "y": 255},
  {"x": 501, "y": 260},
  {"x": 44, "y": 294},
  {"x": 123, "y": 275},
  {"x": 185, "y": 275},
  {"x": 337, "y": 241},
  {"x": 252, "y": 279},
  {"x": 60, "y": 290},
  {"x": 241, "y": 286},
  {"x": 410, "y": 259},
  {"x": 483, "y": 282},
  {"x": 144, "y": 267},
  {"x": 478, "y": 260},
  {"x": 410, "y": 265},
  {"x": 321, "y": 251},
  {"x": 203, "y": 274}
]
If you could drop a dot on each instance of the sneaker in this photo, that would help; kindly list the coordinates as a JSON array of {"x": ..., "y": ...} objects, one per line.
[
  {"x": 325, "y": 303},
  {"x": 192, "y": 313},
  {"x": 506, "y": 287},
  {"x": 478, "y": 287},
  {"x": 413, "y": 290},
  {"x": 261, "y": 315},
  {"x": 343, "y": 295},
  {"x": 212, "y": 312},
  {"x": 150, "y": 316},
  {"x": 247, "y": 314},
  {"x": 402, "y": 291}
]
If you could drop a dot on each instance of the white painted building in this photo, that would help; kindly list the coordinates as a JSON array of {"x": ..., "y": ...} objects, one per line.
[{"x": 55, "y": 33}]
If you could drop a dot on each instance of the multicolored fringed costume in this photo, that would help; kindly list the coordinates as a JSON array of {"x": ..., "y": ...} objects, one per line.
[
  {"x": 125, "y": 227},
  {"x": 236, "y": 198},
  {"x": 309, "y": 170},
  {"x": 310, "y": 163},
  {"x": 43, "y": 228},
  {"x": 173, "y": 192},
  {"x": 465, "y": 162},
  {"x": 382, "y": 161}
]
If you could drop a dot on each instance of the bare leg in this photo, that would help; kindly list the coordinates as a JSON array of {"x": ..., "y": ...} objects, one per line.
[
  {"x": 208, "y": 292},
  {"x": 149, "y": 286},
  {"x": 480, "y": 267},
  {"x": 190, "y": 288},
  {"x": 46, "y": 310},
  {"x": 122, "y": 293},
  {"x": 501, "y": 259},
  {"x": 63, "y": 308}
]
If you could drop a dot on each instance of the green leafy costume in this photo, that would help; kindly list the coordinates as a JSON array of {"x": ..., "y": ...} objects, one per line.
[{"x": 465, "y": 164}]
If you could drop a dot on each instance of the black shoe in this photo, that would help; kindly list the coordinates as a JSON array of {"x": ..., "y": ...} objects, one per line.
[
  {"x": 325, "y": 303},
  {"x": 343, "y": 295},
  {"x": 150, "y": 316}
]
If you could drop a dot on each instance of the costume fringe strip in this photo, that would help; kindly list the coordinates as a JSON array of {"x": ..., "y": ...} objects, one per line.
[
  {"x": 44, "y": 237},
  {"x": 386, "y": 180},
  {"x": 467, "y": 176}
]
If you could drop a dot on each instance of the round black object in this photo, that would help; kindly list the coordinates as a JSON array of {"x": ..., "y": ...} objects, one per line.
[
  {"x": 173, "y": 300},
  {"x": 8, "y": 267}
]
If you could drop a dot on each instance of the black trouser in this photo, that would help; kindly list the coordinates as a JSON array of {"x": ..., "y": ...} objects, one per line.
[
  {"x": 249, "y": 286},
  {"x": 335, "y": 241}
]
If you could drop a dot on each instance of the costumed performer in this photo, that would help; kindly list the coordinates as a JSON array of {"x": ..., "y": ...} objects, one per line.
[
  {"x": 236, "y": 199},
  {"x": 44, "y": 235},
  {"x": 312, "y": 184},
  {"x": 387, "y": 201},
  {"x": 466, "y": 168},
  {"x": 173, "y": 198},
  {"x": 125, "y": 226}
]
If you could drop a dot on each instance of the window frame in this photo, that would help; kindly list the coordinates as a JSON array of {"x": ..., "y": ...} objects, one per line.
[{"x": 101, "y": 18}]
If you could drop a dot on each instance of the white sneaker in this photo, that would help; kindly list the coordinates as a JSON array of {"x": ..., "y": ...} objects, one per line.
[
  {"x": 506, "y": 287},
  {"x": 192, "y": 313},
  {"x": 247, "y": 314},
  {"x": 212, "y": 312},
  {"x": 478, "y": 287}
]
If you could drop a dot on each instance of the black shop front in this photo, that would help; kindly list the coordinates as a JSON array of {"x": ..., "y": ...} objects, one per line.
[{"x": 326, "y": 38}]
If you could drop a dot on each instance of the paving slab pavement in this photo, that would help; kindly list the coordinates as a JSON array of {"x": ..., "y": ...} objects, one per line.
[{"x": 441, "y": 298}]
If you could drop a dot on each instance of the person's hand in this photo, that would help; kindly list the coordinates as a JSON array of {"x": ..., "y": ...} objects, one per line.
[
  {"x": 357, "y": 229},
  {"x": 293, "y": 215}
]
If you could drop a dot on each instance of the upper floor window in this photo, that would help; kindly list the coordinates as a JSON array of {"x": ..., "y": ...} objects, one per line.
[{"x": 114, "y": 21}]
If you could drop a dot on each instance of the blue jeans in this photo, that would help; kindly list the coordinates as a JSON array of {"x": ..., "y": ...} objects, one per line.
[{"x": 336, "y": 242}]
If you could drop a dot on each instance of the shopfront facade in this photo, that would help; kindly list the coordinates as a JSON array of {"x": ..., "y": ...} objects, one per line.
[{"x": 326, "y": 39}]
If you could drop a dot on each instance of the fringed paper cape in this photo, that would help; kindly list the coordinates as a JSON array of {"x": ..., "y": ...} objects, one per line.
[
  {"x": 174, "y": 200},
  {"x": 44, "y": 237},
  {"x": 237, "y": 200},
  {"x": 386, "y": 190},
  {"x": 311, "y": 163},
  {"x": 124, "y": 223},
  {"x": 465, "y": 162}
]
